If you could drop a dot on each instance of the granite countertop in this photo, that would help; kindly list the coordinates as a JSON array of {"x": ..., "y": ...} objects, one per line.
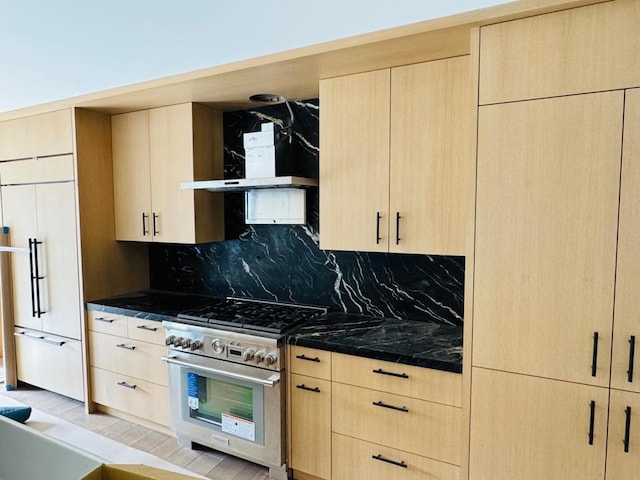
[{"x": 421, "y": 343}]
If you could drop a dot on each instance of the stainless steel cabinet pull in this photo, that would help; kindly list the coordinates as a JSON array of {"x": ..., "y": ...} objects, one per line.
[
  {"x": 398, "y": 217},
  {"x": 102, "y": 319},
  {"x": 308, "y": 389},
  {"x": 128, "y": 385},
  {"x": 627, "y": 428},
  {"x": 144, "y": 224},
  {"x": 267, "y": 382},
  {"x": 592, "y": 420},
  {"x": 308, "y": 359},
  {"x": 33, "y": 291},
  {"x": 155, "y": 224},
  {"x": 57, "y": 343},
  {"x": 632, "y": 354},
  {"x": 594, "y": 359},
  {"x": 150, "y": 329},
  {"x": 387, "y": 460},
  {"x": 126, "y": 347},
  {"x": 392, "y": 407},
  {"x": 378, "y": 237},
  {"x": 392, "y": 374},
  {"x": 37, "y": 276}
]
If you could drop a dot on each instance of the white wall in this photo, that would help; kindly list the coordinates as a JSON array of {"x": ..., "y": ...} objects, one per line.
[{"x": 52, "y": 49}]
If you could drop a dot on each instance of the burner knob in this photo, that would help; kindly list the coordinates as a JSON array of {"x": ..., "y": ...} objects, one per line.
[
  {"x": 178, "y": 341},
  {"x": 218, "y": 346},
  {"x": 248, "y": 355},
  {"x": 186, "y": 343},
  {"x": 260, "y": 356},
  {"x": 270, "y": 359},
  {"x": 196, "y": 345},
  {"x": 169, "y": 340}
]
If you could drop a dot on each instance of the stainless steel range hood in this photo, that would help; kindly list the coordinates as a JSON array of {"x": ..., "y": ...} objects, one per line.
[{"x": 243, "y": 184}]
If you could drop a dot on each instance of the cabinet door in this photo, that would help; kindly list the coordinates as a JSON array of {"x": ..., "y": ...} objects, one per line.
[
  {"x": 431, "y": 162},
  {"x": 19, "y": 214},
  {"x": 58, "y": 259},
  {"x": 171, "y": 148},
  {"x": 311, "y": 425},
  {"x": 354, "y": 162},
  {"x": 131, "y": 175},
  {"x": 625, "y": 368},
  {"x": 533, "y": 428},
  {"x": 546, "y": 234},
  {"x": 623, "y": 452}
]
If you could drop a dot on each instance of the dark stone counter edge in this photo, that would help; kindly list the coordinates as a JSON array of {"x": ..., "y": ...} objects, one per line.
[
  {"x": 435, "y": 364},
  {"x": 156, "y": 317},
  {"x": 454, "y": 367}
]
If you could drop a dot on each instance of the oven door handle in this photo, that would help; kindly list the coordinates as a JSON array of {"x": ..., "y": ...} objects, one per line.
[{"x": 267, "y": 382}]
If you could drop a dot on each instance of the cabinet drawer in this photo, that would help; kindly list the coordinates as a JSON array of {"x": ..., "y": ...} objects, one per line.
[
  {"x": 407, "y": 380},
  {"x": 146, "y": 330},
  {"x": 128, "y": 357},
  {"x": 49, "y": 362},
  {"x": 38, "y": 135},
  {"x": 354, "y": 458},
  {"x": 130, "y": 395},
  {"x": 311, "y": 362},
  {"x": 107, "y": 323},
  {"x": 423, "y": 428},
  {"x": 311, "y": 425}
]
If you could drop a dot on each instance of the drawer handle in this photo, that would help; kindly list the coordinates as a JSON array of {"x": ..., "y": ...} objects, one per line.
[
  {"x": 308, "y": 359},
  {"x": 388, "y": 460},
  {"x": 150, "y": 329},
  {"x": 105, "y": 320},
  {"x": 392, "y": 407},
  {"x": 632, "y": 352},
  {"x": 128, "y": 385},
  {"x": 627, "y": 428},
  {"x": 126, "y": 347},
  {"x": 592, "y": 419},
  {"x": 594, "y": 355},
  {"x": 41, "y": 338},
  {"x": 308, "y": 389},
  {"x": 392, "y": 374}
]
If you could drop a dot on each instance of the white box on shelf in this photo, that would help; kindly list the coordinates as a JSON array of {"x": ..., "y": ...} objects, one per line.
[{"x": 260, "y": 162}]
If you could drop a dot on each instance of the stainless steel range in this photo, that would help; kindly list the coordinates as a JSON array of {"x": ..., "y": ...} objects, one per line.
[{"x": 227, "y": 380}]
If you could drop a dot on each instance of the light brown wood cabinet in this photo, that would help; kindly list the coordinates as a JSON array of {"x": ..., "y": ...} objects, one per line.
[
  {"x": 396, "y": 164},
  {"x": 355, "y": 417},
  {"x": 153, "y": 152},
  {"x": 127, "y": 374}
]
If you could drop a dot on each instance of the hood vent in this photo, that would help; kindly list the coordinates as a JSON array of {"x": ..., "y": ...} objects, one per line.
[{"x": 271, "y": 196}]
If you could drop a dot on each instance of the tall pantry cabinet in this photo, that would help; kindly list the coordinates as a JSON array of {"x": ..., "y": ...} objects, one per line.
[
  {"x": 52, "y": 195},
  {"x": 554, "y": 376}
]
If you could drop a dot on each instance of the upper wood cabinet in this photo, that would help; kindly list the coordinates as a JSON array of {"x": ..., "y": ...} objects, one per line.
[
  {"x": 153, "y": 152},
  {"x": 396, "y": 163},
  {"x": 546, "y": 234},
  {"x": 587, "y": 49},
  {"x": 625, "y": 367},
  {"x": 36, "y": 136}
]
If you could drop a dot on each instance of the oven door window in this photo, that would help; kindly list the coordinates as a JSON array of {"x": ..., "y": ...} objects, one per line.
[{"x": 233, "y": 406}]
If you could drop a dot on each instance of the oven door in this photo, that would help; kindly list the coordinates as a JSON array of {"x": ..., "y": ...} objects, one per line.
[{"x": 237, "y": 409}]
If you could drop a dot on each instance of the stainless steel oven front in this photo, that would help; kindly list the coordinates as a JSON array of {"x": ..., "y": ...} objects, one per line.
[{"x": 235, "y": 407}]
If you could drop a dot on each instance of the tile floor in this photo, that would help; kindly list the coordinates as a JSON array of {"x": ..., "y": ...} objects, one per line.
[{"x": 207, "y": 463}]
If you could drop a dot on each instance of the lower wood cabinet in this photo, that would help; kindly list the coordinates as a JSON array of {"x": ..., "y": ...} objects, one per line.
[
  {"x": 353, "y": 417},
  {"x": 50, "y": 362},
  {"x": 127, "y": 374},
  {"x": 623, "y": 443},
  {"x": 355, "y": 458}
]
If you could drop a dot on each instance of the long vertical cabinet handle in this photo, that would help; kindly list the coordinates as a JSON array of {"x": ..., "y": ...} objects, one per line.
[
  {"x": 592, "y": 420},
  {"x": 627, "y": 428},
  {"x": 594, "y": 360},
  {"x": 155, "y": 224},
  {"x": 144, "y": 224},
  {"x": 37, "y": 277},
  {"x": 398, "y": 217},
  {"x": 378, "y": 237},
  {"x": 632, "y": 353},
  {"x": 33, "y": 292}
]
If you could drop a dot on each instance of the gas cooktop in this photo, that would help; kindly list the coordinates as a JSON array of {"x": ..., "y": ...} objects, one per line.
[{"x": 256, "y": 315}]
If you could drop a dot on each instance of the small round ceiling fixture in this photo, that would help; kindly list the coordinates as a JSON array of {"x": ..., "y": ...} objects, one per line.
[{"x": 267, "y": 98}]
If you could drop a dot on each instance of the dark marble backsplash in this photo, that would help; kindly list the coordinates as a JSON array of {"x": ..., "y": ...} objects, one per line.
[{"x": 284, "y": 262}]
